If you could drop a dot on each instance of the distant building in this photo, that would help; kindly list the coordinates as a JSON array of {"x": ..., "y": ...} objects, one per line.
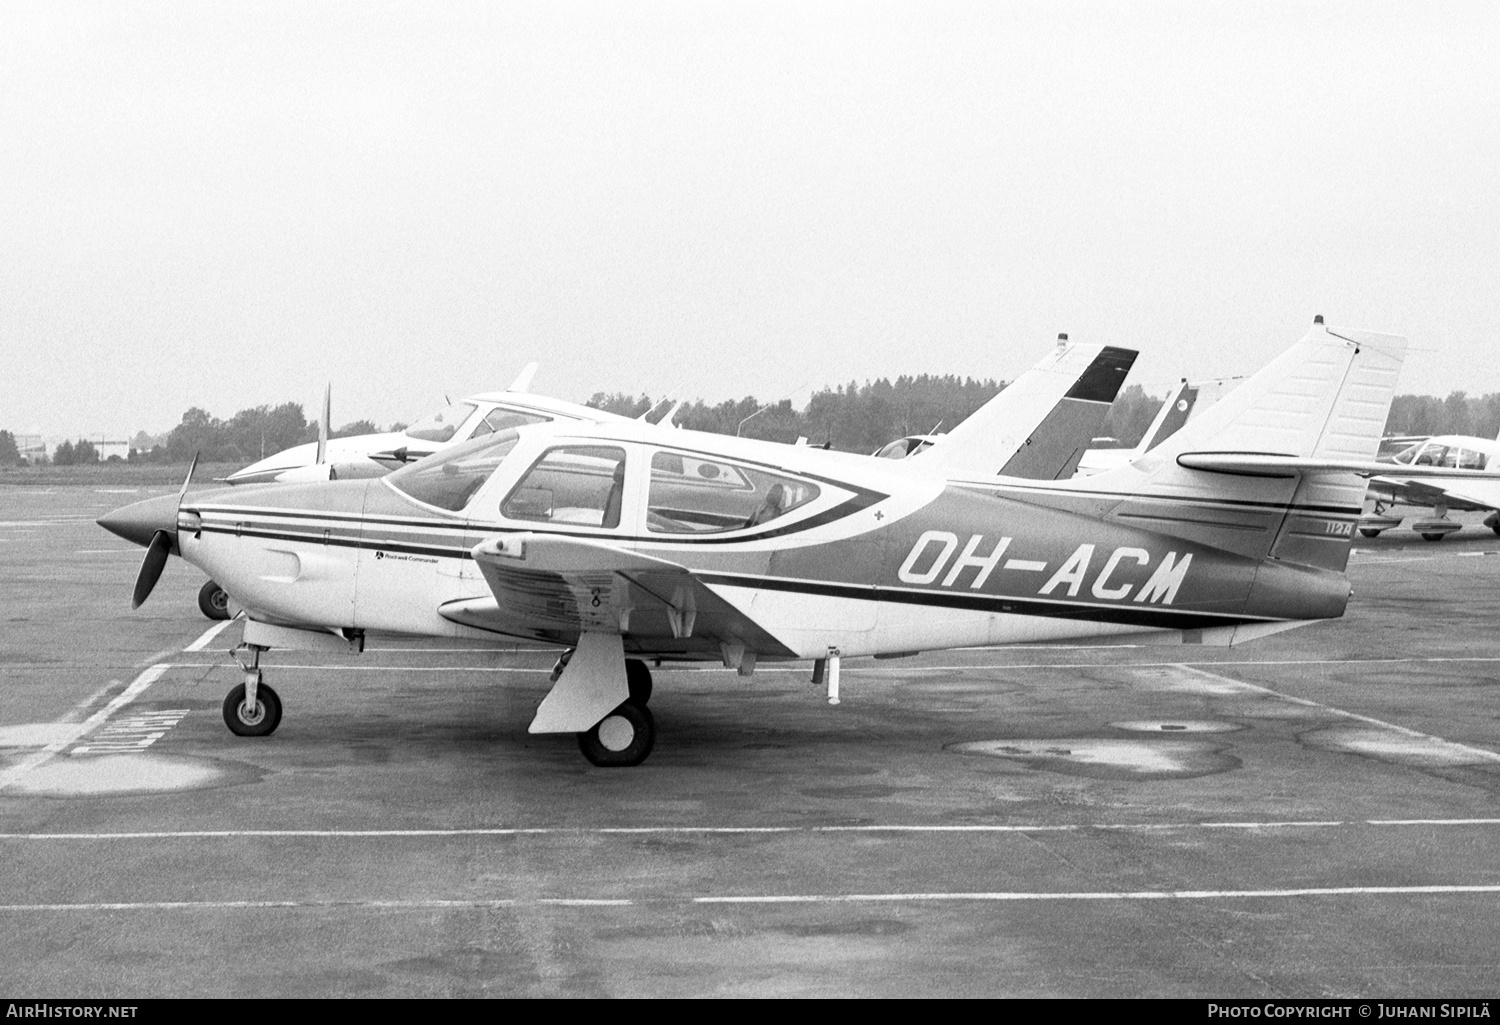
[
  {"x": 111, "y": 448},
  {"x": 32, "y": 448}
]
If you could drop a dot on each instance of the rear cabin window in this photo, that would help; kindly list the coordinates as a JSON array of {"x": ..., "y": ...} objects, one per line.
[
  {"x": 1450, "y": 456},
  {"x": 441, "y": 425},
  {"x": 449, "y": 479},
  {"x": 693, "y": 495},
  {"x": 505, "y": 420},
  {"x": 582, "y": 484}
]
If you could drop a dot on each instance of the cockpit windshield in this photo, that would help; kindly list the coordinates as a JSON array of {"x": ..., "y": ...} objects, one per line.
[
  {"x": 441, "y": 425},
  {"x": 449, "y": 479}
]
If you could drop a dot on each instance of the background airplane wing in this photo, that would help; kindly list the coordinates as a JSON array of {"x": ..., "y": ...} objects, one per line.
[
  {"x": 550, "y": 588},
  {"x": 1456, "y": 494}
]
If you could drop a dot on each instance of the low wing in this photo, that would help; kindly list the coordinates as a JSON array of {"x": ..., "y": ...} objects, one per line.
[{"x": 553, "y": 588}]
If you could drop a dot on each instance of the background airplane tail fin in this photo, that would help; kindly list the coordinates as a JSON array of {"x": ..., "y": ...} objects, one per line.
[
  {"x": 1325, "y": 398},
  {"x": 1040, "y": 425}
]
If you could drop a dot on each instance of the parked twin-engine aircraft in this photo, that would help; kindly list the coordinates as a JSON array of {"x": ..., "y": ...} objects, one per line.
[
  {"x": 374, "y": 455},
  {"x": 1449, "y": 450},
  {"x": 628, "y": 542},
  {"x": 1186, "y": 401}
]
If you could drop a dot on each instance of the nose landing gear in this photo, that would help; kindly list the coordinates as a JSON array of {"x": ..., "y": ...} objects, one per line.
[{"x": 252, "y": 709}]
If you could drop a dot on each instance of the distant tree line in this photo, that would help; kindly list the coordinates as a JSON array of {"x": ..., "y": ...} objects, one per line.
[
  {"x": 852, "y": 417},
  {"x": 862, "y": 417},
  {"x": 1477, "y": 417}
]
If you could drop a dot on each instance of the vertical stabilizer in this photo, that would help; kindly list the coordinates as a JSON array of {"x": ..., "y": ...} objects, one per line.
[{"x": 1326, "y": 397}]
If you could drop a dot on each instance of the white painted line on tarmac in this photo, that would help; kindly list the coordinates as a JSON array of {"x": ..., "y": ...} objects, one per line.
[
  {"x": 155, "y": 658},
  {"x": 1310, "y": 891},
  {"x": 208, "y": 635},
  {"x": 858, "y": 668},
  {"x": 1479, "y": 752},
  {"x": 1427, "y": 558},
  {"x": 78, "y": 711},
  {"x": 1083, "y": 827},
  {"x": 62, "y": 521},
  {"x": 822, "y": 898},
  {"x": 137, "y": 687}
]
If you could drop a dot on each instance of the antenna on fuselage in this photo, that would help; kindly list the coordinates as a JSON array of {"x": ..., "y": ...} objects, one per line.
[
  {"x": 322, "y": 456},
  {"x": 523, "y": 380}
]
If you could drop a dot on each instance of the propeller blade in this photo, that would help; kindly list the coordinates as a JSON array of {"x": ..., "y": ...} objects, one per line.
[
  {"x": 323, "y": 424},
  {"x": 151, "y": 567},
  {"x": 191, "y": 467}
]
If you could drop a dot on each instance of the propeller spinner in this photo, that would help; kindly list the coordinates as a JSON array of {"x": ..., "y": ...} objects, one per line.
[{"x": 152, "y": 523}]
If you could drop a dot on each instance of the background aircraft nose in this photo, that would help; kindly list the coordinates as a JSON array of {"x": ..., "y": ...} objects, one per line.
[{"x": 140, "y": 520}]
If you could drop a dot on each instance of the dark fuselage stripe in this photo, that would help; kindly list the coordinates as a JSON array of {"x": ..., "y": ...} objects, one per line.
[{"x": 1155, "y": 616}]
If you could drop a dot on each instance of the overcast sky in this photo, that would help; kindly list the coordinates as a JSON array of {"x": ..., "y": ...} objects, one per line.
[{"x": 229, "y": 204}]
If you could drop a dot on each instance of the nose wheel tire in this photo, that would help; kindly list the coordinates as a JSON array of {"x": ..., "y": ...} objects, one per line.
[
  {"x": 260, "y": 721},
  {"x": 622, "y": 738},
  {"x": 638, "y": 678},
  {"x": 212, "y": 601}
]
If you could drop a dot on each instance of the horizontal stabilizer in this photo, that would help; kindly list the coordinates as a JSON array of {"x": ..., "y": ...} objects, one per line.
[{"x": 1273, "y": 465}]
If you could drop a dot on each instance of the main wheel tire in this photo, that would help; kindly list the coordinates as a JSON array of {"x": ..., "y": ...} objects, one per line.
[
  {"x": 213, "y": 602},
  {"x": 622, "y": 738},
  {"x": 1432, "y": 537},
  {"x": 1368, "y": 532},
  {"x": 258, "y": 722},
  {"x": 638, "y": 678},
  {"x": 1495, "y": 527}
]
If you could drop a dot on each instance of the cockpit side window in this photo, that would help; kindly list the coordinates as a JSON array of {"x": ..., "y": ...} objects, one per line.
[
  {"x": 441, "y": 425},
  {"x": 1431, "y": 455},
  {"x": 502, "y": 419},
  {"x": 449, "y": 479},
  {"x": 693, "y": 495},
  {"x": 580, "y": 484},
  {"x": 1406, "y": 455}
]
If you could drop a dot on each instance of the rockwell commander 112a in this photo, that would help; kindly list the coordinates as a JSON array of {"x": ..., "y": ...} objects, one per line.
[{"x": 625, "y": 543}]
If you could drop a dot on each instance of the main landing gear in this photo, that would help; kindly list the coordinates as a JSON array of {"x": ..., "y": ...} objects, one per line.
[
  {"x": 625, "y": 736},
  {"x": 252, "y": 709},
  {"x": 213, "y": 602}
]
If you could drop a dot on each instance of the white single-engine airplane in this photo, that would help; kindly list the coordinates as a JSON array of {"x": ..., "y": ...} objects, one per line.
[
  {"x": 628, "y": 542},
  {"x": 1455, "y": 451}
]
